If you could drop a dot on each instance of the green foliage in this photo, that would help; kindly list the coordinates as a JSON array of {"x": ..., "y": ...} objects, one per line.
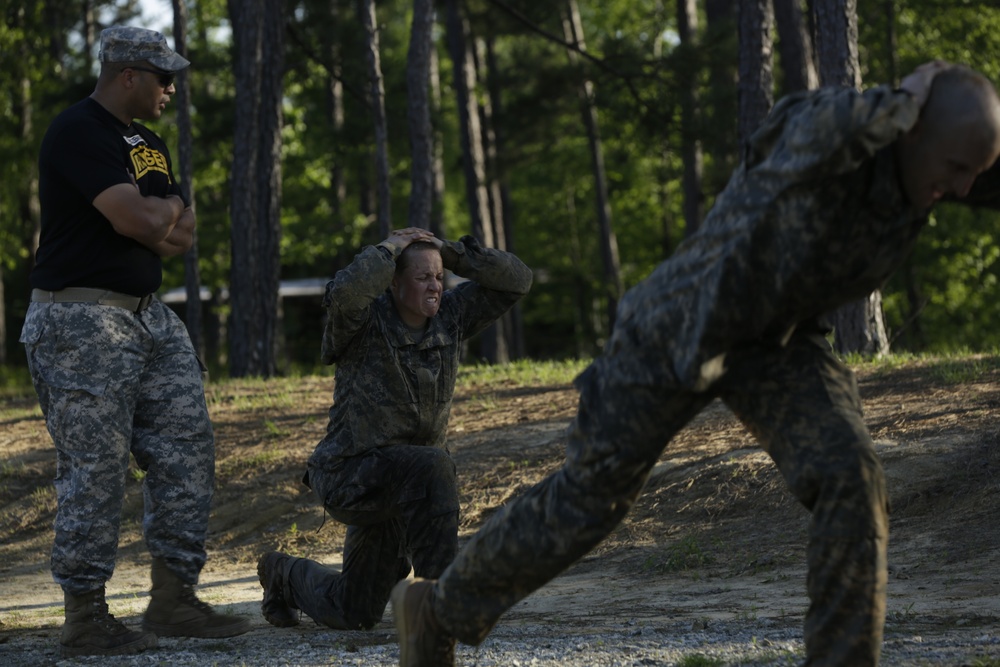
[{"x": 946, "y": 299}]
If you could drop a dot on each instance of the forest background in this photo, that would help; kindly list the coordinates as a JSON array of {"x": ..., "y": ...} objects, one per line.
[{"x": 587, "y": 137}]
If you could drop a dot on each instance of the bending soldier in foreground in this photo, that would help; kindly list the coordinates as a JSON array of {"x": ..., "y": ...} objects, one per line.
[
  {"x": 832, "y": 192},
  {"x": 114, "y": 368},
  {"x": 383, "y": 468}
]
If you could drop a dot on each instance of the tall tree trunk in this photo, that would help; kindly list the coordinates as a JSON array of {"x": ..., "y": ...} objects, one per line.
[
  {"x": 756, "y": 89},
  {"x": 258, "y": 34},
  {"x": 437, "y": 208},
  {"x": 573, "y": 30},
  {"x": 369, "y": 22},
  {"x": 664, "y": 171},
  {"x": 418, "y": 63},
  {"x": 513, "y": 320},
  {"x": 335, "y": 111},
  {"x": 382, "y": 186},
  {"x": 473, "y": 159},
  {"x": 366, "y": 166},
  {"x": 859, "y": 327},
  {"x": 694, "y": 201},
  {"x": 795, "y": 46},
  {"x": 185, "y": 142},
  {"x": 720, "y": 106},
  {"x": 494, "y": 338},
  {"x": 837, "y": 42},
  {"x": 489, "y": 138}
]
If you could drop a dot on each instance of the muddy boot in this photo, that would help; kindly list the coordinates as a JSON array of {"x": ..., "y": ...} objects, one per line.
[
  {"x": 422, "y": 640},
  {"x": 90, "y": 629},
  {"x": 276, "y": 609},
  {"x": 175, "y": 611}
]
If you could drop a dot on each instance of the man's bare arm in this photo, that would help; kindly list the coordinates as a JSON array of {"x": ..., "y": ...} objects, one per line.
[{"x": 148, "y": 220}]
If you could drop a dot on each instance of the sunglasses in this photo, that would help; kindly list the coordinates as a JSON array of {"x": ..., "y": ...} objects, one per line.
[{"x": 166, "y": 79}]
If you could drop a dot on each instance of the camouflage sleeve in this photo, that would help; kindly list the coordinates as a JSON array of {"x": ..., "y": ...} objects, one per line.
[
  {"x": 496, "y": 280},
  {"x": 349, "y": 296},
  {"x": 829, "y": 131}
]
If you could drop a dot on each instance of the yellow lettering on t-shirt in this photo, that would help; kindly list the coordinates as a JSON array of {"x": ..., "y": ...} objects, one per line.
[{"x": 146, "y": 159}]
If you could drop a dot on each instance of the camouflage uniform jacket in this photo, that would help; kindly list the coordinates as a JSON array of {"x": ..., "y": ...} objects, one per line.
[
  {"x": 390, "y": 387},
  {"x": 813, "y": 218}
]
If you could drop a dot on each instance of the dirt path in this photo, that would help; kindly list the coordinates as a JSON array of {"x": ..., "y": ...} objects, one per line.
[{"x": 715, "y": 542}]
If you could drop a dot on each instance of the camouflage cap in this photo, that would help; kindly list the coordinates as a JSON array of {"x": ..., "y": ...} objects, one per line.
[{"x": 125, "y": 44}]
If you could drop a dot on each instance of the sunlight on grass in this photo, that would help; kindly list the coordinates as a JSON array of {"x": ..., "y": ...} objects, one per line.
[
  {"x": 23, "y": 410},
  {"x": 522, "y": 372},
  {"x": 252, "y": 394},
  {"x": 958, "y": 367},
  {"x": 251, "y": 462}
]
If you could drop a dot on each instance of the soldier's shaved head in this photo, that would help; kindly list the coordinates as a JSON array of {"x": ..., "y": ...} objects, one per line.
[
  {"x": 963, "y": 100},
  {"x": 956, "y": 138}
]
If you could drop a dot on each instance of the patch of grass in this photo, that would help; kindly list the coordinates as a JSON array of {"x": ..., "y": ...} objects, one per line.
[
  {"x": 22, "y": 409},
  {"x": 273, "y": 429},
  {"x": 685, "y": 554},
  {"x": 251, "y": 462},
  {"x": 700, "y": 660},
  {"x": 8, "y": 469},
  {"x": 749, "y": 614},
  {"x": 44, "y": 498},
  {"x": 953, "y": 367},
  {"x": 985, "y": 662},
  {"x": 965, "y": 369},
  {"x": 15, "y": 381},
  {"x": 485, "y": 401},
  {"x": 252, "y": 394},
  {"x": 522, "y": 372}
]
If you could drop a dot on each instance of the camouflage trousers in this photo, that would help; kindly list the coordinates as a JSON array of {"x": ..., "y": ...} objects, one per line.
[
  {"x": 111, "y": 382},
  {"x": 803, "y": 407},
  {"x": 400, "y": 504}
]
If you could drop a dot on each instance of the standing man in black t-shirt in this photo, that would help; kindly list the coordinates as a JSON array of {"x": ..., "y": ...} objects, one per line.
[{"x": 114, "y": 368}]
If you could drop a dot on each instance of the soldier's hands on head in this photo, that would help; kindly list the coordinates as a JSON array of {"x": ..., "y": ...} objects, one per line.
[
  {"x": 404, "y": 237},
  {"x": 918, "y": 83}
]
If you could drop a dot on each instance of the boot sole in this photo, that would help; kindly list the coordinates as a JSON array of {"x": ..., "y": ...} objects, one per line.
[
  {"x": 198, "y": 632},
  {"x": 280, "y": 623},
  {"x": 145, "y": 642}
]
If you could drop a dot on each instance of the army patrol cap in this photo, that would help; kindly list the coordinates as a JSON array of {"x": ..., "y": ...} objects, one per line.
[{"x": 126, "y": 44}]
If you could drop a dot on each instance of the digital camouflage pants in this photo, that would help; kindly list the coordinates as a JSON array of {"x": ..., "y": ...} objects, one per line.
[
  {"x": 400, "y": 504},
  {"x": 112, "y": 382},
  {"x": 803, "y": 407}
]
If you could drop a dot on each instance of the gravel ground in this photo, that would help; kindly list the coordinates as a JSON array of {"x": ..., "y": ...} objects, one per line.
[{"x": 761, "y": 644}]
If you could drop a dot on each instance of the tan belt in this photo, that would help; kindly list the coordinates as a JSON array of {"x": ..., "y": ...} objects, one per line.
[{"x": 104, "y": 297}]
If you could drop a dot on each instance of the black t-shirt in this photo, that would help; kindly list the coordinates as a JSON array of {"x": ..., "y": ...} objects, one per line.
[{"x": 85, "y": 151}]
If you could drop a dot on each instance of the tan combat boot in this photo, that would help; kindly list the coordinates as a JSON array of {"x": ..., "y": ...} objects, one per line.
[
  {"x": 175, "y": 611},
  {"x": 90, "y": 629},
  {"x": 422, "y": 640}
]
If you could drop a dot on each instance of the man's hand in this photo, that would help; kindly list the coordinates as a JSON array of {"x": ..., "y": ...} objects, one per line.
[
  {"x": 404, "y": 237},
  {"x": 181, "y": 237},
  {"x": 918, "y": 83}
]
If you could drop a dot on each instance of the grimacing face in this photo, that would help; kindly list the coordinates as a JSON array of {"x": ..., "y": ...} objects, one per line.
[{"x": 417, "y": 289}]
